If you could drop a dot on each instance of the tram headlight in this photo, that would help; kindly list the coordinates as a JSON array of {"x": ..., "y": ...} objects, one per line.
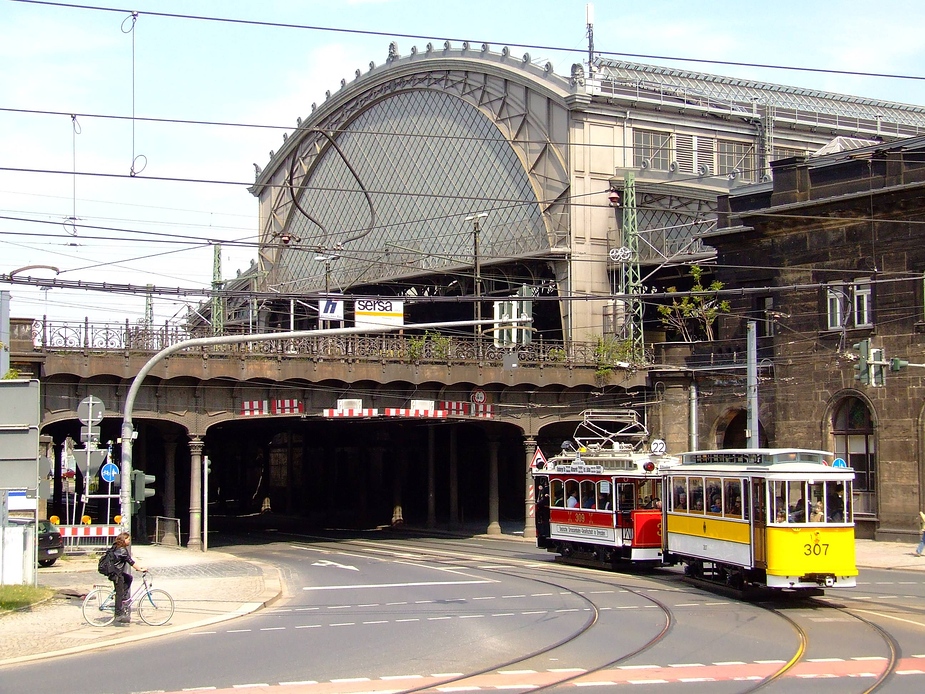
[{"x": 648, "y": 466}]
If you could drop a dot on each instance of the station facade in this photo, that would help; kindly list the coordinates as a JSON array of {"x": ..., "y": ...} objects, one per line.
[{"x": 435, "y": 186}]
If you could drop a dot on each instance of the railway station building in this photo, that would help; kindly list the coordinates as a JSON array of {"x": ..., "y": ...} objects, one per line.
[{"x": 451, "y": 182}]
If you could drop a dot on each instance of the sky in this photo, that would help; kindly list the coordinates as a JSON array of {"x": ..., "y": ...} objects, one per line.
[{"x": 57, "y": 61}]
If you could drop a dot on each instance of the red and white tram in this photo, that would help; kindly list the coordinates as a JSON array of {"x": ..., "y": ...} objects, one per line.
[{"x": 601, "y": 497}]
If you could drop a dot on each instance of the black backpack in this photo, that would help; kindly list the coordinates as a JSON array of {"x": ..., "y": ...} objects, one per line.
[{"x": 107, "y": 565}]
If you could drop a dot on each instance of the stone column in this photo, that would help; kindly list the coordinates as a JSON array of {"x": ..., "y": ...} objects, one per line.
[
  {"x": 431, "y": 478},
  {"x": 494, "y": 526},
  {"x": 454, "y": 478},
  {"x": 170, "y": 475},
  {"x": 170, "y": 488},
  {"x": 195, "y": 494},
  {"x": 397, "y": 478},
  {"x": 530, "y": 497}
]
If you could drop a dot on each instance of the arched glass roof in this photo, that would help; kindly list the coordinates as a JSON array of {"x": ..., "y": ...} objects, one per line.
[{"x": 428, "y": 160}]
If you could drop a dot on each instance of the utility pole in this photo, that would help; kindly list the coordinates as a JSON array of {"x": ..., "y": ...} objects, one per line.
[
  {"x": 751, "y": 377},
  {"x": 632, "y": 284},
  {"x": 218, "y": 312}
]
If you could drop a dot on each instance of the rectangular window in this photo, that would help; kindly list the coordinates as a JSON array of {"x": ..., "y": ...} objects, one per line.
[
  {"x": 849, "y": 305},
  {"x": 651, "y": 150},
  {"x": 735, "y": 158},
  {"x": 695, "y": 486},
  {"x": 862, "y": 313},
  {"x": 679, "y": 494},
  {"x": 733, "y": 498}
]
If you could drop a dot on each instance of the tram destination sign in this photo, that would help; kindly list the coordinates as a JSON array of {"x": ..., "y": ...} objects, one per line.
[{"x": 580, "y": 469}]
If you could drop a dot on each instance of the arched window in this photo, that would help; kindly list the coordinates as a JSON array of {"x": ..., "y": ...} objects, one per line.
[{"x": 853, "y": 434}]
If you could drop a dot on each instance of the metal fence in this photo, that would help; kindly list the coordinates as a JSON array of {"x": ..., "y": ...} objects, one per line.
[{"x": 431, "y": 347}]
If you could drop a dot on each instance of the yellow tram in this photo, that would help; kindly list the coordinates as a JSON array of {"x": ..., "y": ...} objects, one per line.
[{"x": 776, "y": 517}]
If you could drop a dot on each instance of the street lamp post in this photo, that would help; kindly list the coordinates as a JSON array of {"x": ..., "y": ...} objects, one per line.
[{"x": 476, "y": 262}]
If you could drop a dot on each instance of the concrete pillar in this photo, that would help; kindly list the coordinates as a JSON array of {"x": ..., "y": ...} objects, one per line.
[
  {"x": 195, "y": 494},
  {"x": 454, "y": 478},
  {"x": 170, "y": 475},
  {"x": 397, "y": 477},
  {"x": 431, "y": 478},
  {"x": 494, "y": 526},
  {"x": 170, "y": 488},
  {"x": 530, "y": 496}
]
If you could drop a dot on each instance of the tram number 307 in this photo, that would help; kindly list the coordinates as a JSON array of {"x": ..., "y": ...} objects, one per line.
[{"x": 816, "y": 550}]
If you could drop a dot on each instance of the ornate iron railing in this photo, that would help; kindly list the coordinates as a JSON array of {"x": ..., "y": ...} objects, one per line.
[{"x": 431, "y": 348}]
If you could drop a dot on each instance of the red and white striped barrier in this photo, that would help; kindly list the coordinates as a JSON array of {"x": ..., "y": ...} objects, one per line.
[
  {"x": 405, "y": 412},
  {"x": 89, "y": 530},
  {"x": 367, "y": 412},
  {"x": 250, "y": 408},
  {"x": 288, "y": 406},
  {"x": 461, "y": 408}
]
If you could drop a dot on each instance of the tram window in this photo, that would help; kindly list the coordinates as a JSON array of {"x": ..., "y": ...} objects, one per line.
[
  {"x": 679, "y": 494},
  {"x": 649, "y": 495},
  {"x": 779, "y": 495},
  {"x": 796, "y": 498},
  {"x": 695, "y": 489},
  {"x": 627, "y": 500},
  {"x": 571, "y": 494},
  {"x": 603, "y": 496},
  {"x": 733, "y": 498},
  {"x": 714, "y": 498},
  {"x": 588, "y": 497},
  {"x": 555, "y": 493},
  {"x": 835, "y": 511}
]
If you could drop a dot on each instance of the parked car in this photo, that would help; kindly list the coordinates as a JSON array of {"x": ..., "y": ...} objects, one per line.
[{"x": 51, "y": 544}]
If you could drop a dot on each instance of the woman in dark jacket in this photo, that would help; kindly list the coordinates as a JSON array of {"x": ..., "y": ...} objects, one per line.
[{"x": 122, "y": 577}]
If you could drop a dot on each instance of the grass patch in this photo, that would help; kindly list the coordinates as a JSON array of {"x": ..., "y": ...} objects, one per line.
[{"x": 16, "y": 597}]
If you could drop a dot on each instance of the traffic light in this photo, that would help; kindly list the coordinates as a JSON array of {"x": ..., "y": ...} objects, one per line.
[
  {"x": 877, "y": 367},
  {"x": 896, "y": 364},
  {"x": 862, "y": 367},
  {"x": 140, "y": 488}
]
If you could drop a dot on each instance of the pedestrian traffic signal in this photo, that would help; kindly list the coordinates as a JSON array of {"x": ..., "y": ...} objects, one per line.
[
  {"x": 876, "y": 365},
  {"x": 140, "y": 485},
  {"x": 862, "y": 367}
]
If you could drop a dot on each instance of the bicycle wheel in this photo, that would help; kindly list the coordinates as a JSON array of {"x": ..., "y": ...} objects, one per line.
[
  {"x": 99, "y": 607},
  {"x": 155, "y": 607}
]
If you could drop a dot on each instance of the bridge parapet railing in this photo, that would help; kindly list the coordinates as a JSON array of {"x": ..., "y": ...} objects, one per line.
[{"x": 431, "y": 347}]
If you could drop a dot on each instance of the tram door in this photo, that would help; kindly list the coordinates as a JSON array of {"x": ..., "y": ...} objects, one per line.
[{"x": 759, "y": 523}]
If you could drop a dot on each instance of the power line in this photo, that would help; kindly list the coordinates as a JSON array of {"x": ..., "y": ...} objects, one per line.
[{"x": 422, "y": 37}]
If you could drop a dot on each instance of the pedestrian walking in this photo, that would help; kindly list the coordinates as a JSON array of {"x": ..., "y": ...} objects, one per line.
[
  {"x": 921, "y": 547},
  {"x": 121, "y": 577}
]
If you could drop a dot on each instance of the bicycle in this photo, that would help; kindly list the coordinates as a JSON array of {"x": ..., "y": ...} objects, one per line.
[{"x": 155, "y": 606}]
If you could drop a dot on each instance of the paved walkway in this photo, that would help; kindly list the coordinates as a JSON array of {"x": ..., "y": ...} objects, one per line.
[
  {"x": 210, "y": 587},
  {"x": 207, "y": 587}
]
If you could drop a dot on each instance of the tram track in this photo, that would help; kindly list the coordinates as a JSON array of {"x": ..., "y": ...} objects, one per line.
[
  {"x": 562, "y": 642},
  {"x": 490, "y": 560}
]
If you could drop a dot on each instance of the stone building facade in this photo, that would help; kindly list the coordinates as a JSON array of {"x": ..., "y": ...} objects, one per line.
[{"x": 828, "y": 256}]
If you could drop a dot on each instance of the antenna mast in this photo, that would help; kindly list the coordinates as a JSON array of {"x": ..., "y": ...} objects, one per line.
[{"x": 589, "y": 14}]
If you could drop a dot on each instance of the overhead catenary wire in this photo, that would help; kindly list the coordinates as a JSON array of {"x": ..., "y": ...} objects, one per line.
[{"x": 424, "y": 37}]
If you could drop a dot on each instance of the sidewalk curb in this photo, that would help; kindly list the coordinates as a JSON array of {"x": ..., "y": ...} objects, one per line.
[{"x": 271, "y": 593}]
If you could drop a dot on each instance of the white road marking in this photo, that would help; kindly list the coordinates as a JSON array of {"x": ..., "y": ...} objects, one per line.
[
  {"x": 648, "y": 681},
  {"x": 730, "y": 662},
  {"x": 272, "y": 628},
  {"x": 342, "y": 624},
  {"x": 248, "y": 686},
  {"x": 603, "y": 683},
  {"x": 363, "y": 586},
  {"x": 825, "y": 660},
  {"x": 309, "y": 626},
  {"x": 516, "y": 672},
  {"x": 378, "y": 621},
  {"x": 238, "y": 631},
  {"x": 296, "y": 683},
  {"x": 388, "y": 678}
]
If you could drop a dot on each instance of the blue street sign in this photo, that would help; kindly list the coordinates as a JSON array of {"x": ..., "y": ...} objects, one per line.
[
  {"x": 839, "y": 462},
  {"x": 109, "y": 472}
]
